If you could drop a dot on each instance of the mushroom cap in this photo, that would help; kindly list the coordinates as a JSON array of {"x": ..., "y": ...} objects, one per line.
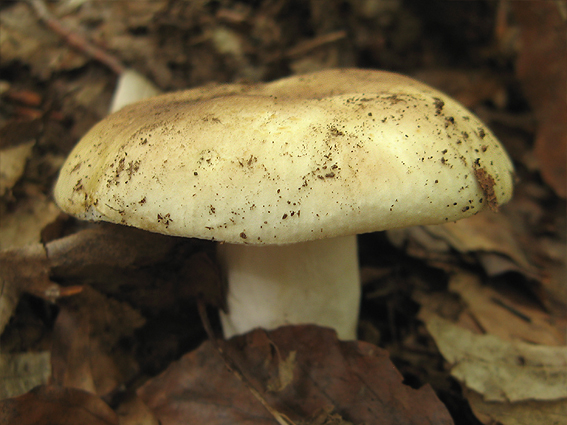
[{"x": 328, "y": 154}]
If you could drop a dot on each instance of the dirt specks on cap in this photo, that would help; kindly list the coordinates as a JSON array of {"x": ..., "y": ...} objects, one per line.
[
  {"x": 438, "y": 106},
  {"x": 486, "y": 183}
]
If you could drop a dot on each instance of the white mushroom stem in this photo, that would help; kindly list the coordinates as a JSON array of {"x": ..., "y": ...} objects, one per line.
[
  {"x": 314, "y": 282},
  {"x": 131, "y": 87}
]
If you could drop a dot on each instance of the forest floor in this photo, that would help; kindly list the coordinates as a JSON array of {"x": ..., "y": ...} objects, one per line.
[{"x": 100, "y": 324}]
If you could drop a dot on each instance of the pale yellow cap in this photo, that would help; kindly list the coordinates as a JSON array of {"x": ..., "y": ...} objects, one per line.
[{"x": 328, "y": 154}]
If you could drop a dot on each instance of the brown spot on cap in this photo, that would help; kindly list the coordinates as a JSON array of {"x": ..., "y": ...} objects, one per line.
[
  {"x": 438, "y": 106},
  {"x": 486, "y": 183}
]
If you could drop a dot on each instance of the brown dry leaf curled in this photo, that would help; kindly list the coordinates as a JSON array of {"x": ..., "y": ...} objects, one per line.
[
  {"x": 157, "y": 271},
  {"x": 485, "y": 233},
  {"x": 285, "y": 373},
  {"x": 23, "y": 225},
  {"x": 23, "y": 270},
  {"x": 48, "y": 405},
  {"x": 353, "y": 379},
  {"x": 509, "y": 318},
  {"x": 523, "y": 413},
  {"x": 23, "y": 38},
  {"x": 86, "y": 353},
  {"x": 542, "y": 69},
  {"x": 500, "y": 370},
  {"x": 12, "y": 164},
  {"x": 21, "y": 372},
  {"x": 489, "y": 237}
]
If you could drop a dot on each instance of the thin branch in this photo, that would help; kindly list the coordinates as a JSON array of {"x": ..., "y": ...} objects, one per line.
[
  {"x": 75, "y": 40},
  {"x": 305, "y": 47}
]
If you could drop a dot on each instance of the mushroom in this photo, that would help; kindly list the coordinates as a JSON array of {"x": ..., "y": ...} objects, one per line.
[{"x": 285, "y": 175}]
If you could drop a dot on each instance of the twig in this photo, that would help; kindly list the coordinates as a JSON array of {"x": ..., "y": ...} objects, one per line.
[
  {"x": 305, "y": 47},
  {"x": 75, "y": 40},
  {"x": 233, "y": 367}
]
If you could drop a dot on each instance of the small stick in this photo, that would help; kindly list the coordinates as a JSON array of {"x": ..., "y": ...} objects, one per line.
[
  {"x": 279, "y": 417},
  {"x": 305, "y": 47},
  {"x": 75, "y": 40}
]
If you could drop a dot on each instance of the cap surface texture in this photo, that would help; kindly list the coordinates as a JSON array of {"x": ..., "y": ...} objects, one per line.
[{"x": 328, "y": 154}]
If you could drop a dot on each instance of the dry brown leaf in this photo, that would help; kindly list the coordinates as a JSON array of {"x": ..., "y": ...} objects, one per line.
[
  {"x": 48, "y": 405},
  {"x": 23, "y": 225},
  {"x": 86, "y": 353},
  {"x": 13, "y": 160},
  {"x": 23, "y": 38},
  {"x": 509, "y": 318},
  {"x": 542, "y": 69},
  {"x": 488, "y": 238},
  {"x": 326, "y": 417},
  {"x": 353, "y": 379},
  {"x": 157, "y": 271},
  {"x": 487, "y": 232},
  {"x": 9, "y": 297},
  {"x": 286, "y": 369},
  {"x": 23, "y": 270},
  {"x": 133, "y": 411},
  {"x": 522, "y": 413},
  {"x": 107, "y": 246},
  {"x": 21, "y": 372},
  {"x": 500, "y": 370},
  {"x": 18, "y": 130},
  {"x": 72, "y": 353}
]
